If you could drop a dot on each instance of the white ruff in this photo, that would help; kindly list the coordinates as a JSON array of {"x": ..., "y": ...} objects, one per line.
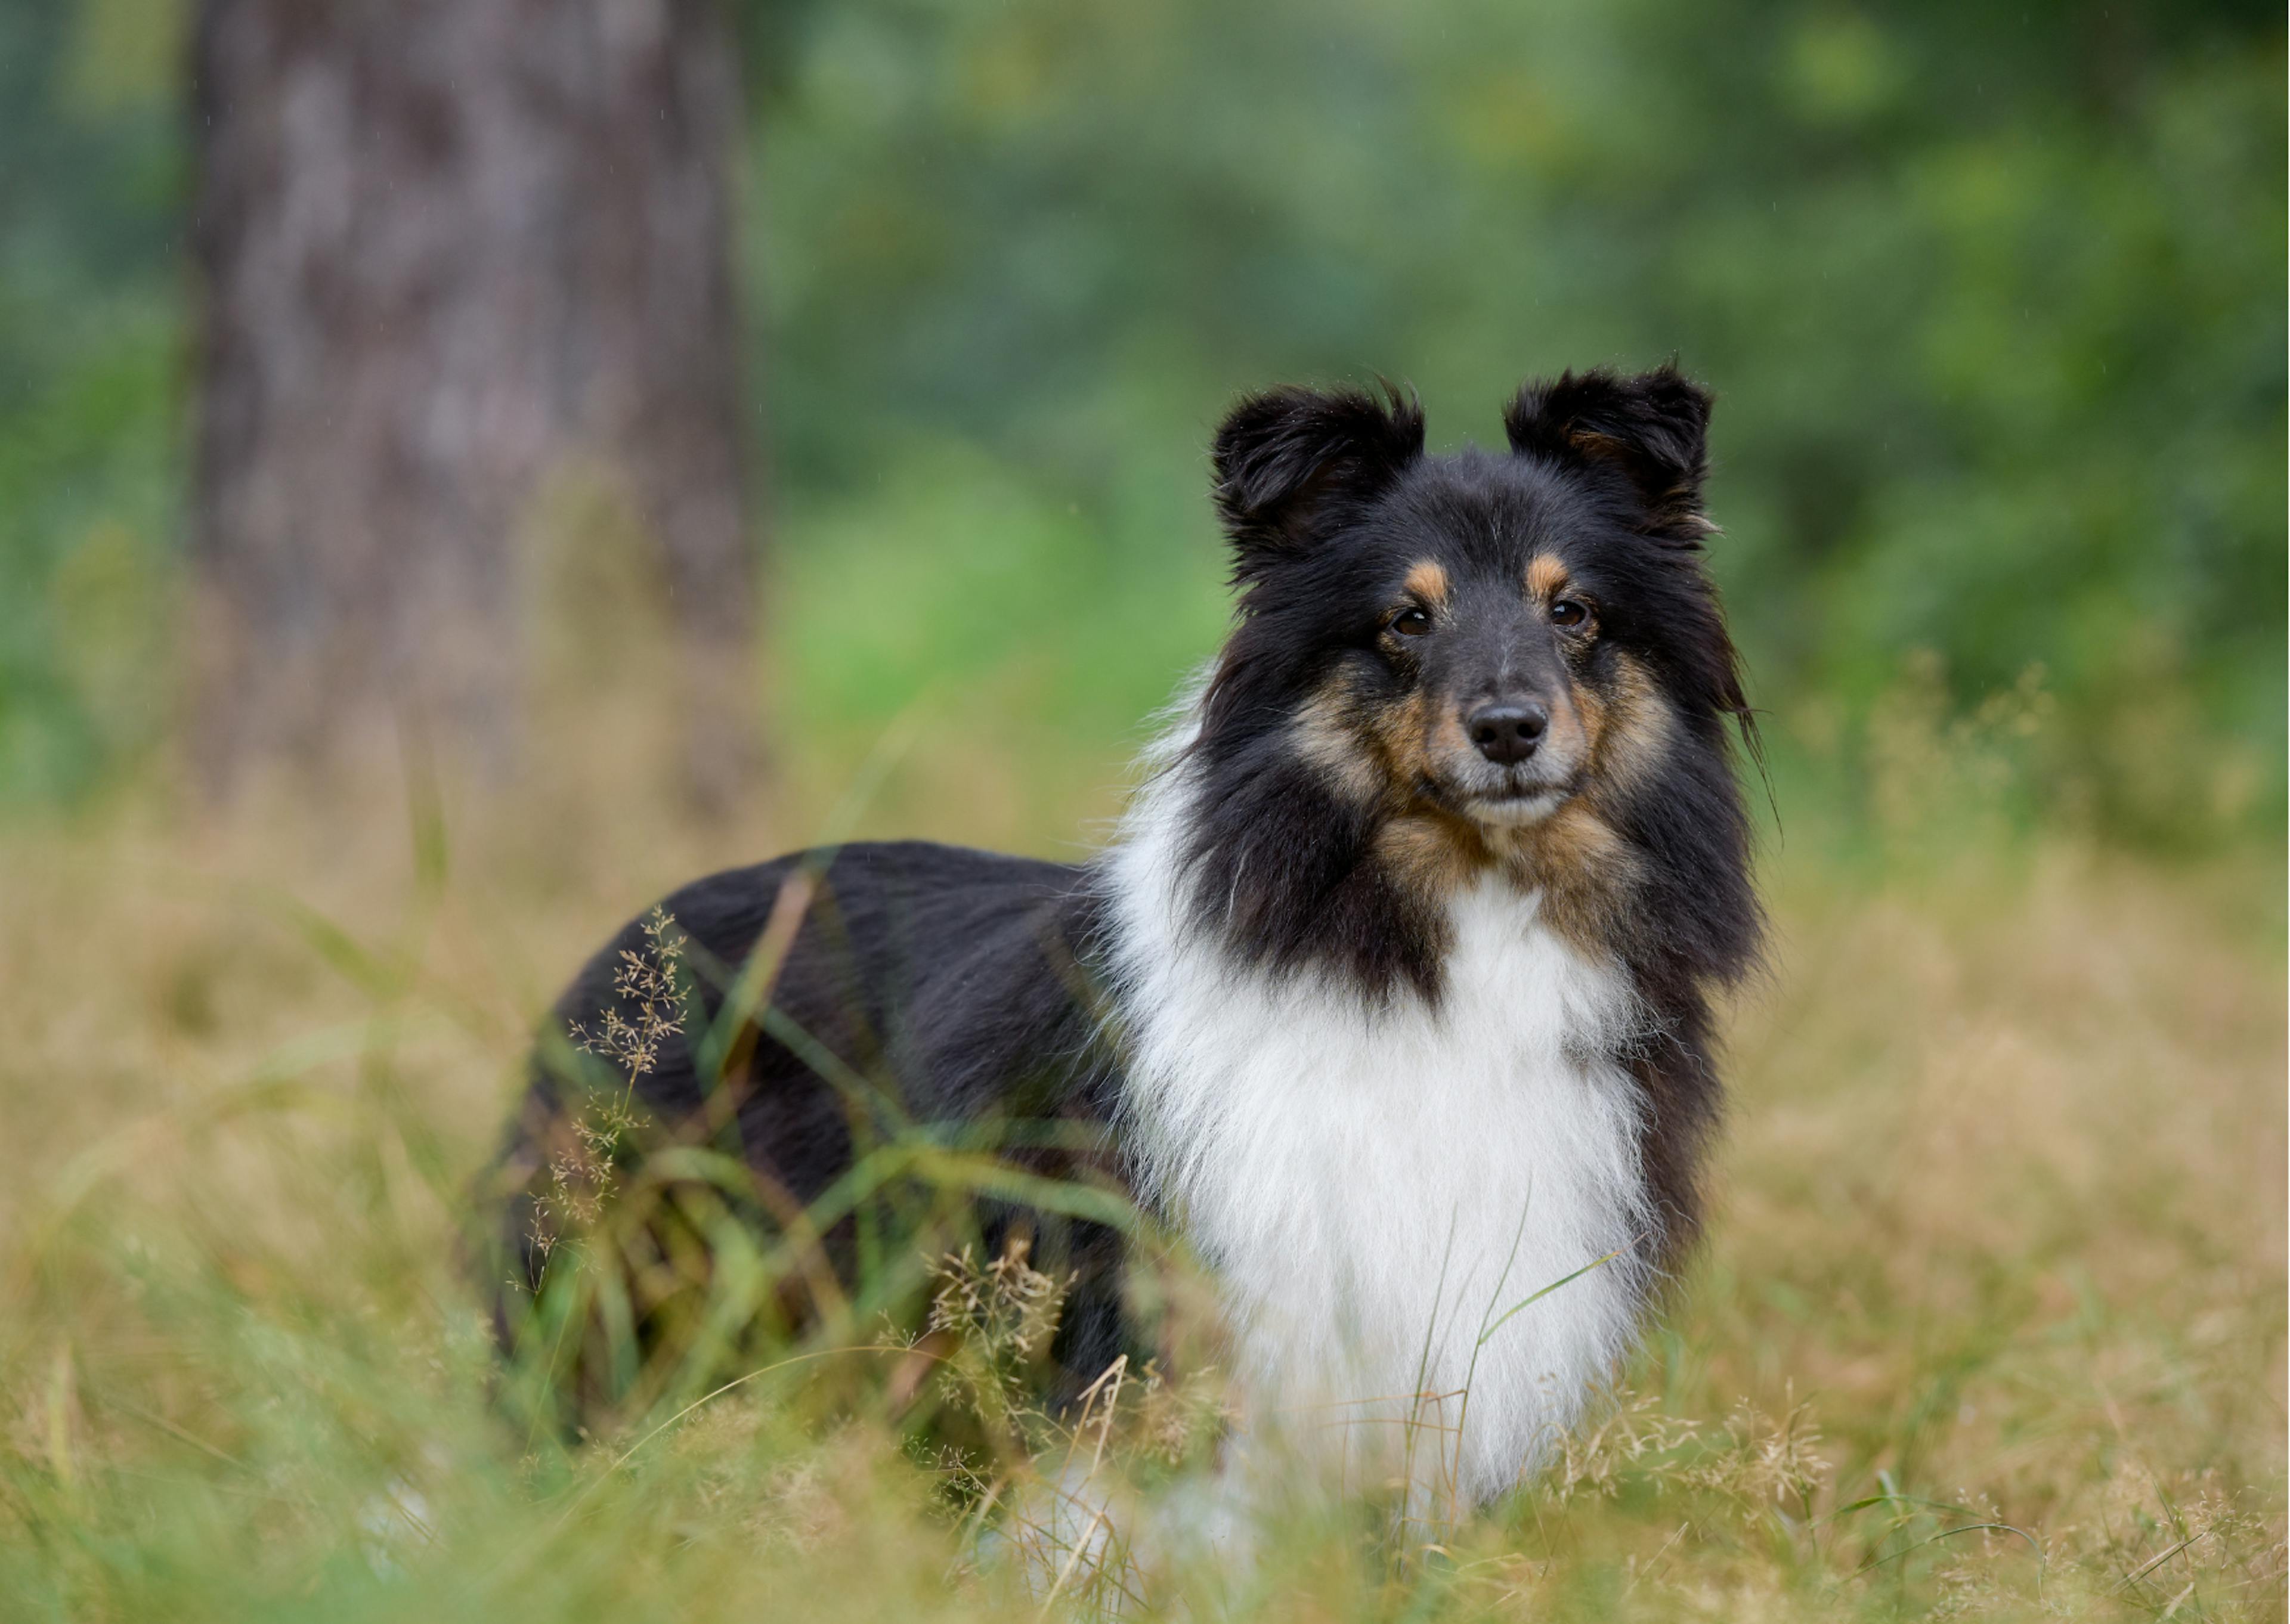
[{"x": 1328, "y": 1160}]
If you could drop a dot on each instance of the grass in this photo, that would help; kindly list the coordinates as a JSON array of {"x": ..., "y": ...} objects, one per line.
[{"x": 1990, "y": 1322}]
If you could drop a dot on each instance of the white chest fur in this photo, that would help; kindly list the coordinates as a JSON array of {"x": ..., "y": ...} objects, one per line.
[{"x": 1376, "y": 1188}]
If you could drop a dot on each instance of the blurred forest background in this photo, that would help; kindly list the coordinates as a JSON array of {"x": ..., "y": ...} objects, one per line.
[
  {"x": 1992, "y": 298},
  {"x": 468, "y": 466}
]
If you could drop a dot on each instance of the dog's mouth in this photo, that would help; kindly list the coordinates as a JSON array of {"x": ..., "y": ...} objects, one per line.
[
  {"x": 1514, "y": 802},
  {"x": 1510, "y": 808}
]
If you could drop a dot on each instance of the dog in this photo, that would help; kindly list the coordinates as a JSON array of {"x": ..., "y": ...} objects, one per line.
[{"x": 1392, "y": 994}]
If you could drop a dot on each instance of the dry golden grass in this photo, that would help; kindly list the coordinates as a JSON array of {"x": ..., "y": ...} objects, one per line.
[{"x": 1991, "y": 1322}]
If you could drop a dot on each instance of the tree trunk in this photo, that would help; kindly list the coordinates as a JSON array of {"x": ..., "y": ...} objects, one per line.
[{"x": 450, "y": 250}]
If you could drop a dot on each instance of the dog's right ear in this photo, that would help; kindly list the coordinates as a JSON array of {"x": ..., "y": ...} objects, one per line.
[{"x": 1291, "y": 463}]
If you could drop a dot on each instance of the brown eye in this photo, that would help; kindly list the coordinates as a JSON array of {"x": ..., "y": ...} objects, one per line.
[
  {"x": 1569, "y": 614},
  {"x": 1411, "y": 622}
]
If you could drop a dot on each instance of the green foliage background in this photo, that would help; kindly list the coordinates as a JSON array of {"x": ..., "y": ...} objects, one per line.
[{"x": 1993, "y": 297}]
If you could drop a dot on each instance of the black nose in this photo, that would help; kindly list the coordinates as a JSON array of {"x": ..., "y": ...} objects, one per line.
[{"x": 1508, "y": 731}]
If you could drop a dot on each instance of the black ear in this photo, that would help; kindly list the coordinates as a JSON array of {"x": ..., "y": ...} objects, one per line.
[
  {"x": 1291, "y": 462},
  {"x": 1654, "y": 428}
]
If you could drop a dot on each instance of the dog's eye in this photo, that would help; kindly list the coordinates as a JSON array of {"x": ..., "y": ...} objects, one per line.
[
  {"x": 1411, "y": 622},
  {"x": 1567, "y": 612}
]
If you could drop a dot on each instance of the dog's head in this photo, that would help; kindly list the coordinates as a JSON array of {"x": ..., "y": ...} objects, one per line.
[{"x": 1482, "y": 637}]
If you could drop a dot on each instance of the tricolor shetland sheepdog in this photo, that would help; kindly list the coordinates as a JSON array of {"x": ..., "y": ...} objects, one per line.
[{"x": 1392, "y": 995}]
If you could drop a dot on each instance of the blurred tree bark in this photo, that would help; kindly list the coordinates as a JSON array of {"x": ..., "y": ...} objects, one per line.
[{"x": 450, "y": 250}]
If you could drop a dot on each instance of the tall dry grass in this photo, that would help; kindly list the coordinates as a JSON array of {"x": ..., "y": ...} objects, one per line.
[{"x": 1991, "y": 1322}]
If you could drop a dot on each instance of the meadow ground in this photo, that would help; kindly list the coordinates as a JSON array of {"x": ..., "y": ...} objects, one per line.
[{"x": 1990, "y": 1322}]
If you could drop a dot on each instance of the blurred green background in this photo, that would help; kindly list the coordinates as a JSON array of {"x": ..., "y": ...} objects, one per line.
[{"x": 1992, "y": 298}]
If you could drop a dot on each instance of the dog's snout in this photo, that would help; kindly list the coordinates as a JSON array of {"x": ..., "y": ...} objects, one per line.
[{"x": 1507, "y": 732}]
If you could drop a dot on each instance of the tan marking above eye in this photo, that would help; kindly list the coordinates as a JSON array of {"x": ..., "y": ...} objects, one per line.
[
  {"x": 1546, "y": 577},
  {"x": 1428, "y": 580}
]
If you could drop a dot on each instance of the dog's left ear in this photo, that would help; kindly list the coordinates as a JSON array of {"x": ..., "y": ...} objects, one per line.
[
  {"x": 1291, "y": 463},
  {"x": 1654, "y": 428}
]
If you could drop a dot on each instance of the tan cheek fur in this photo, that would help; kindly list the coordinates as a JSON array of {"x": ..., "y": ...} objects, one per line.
[
  {"x": 1415, "y": 734},
  {"x": 1571, "y": 734},
  {"x": 1629, "y": 730},
  {"x": 1585, "y": 869},
  {"x": 1377, "y": 759},
  {"x": 1327, "y": 740}
]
